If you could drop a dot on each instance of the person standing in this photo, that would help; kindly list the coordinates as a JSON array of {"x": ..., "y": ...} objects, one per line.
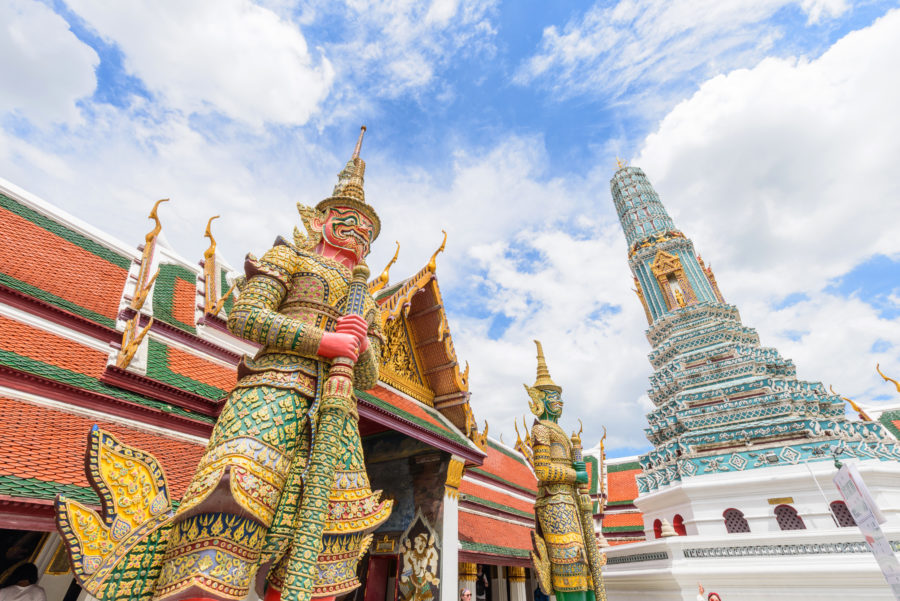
[
  {"x": 24, "y": 585},
  {"x": 481, "y": 585}
]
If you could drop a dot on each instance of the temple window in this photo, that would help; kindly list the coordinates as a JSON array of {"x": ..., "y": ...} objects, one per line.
[
  {"x": 735, "y": 521},
  {"x": 788, "y": 519},
  {"x": 657, "y": 528},
  {"x": 678, "y": 525},
  {"x": 842, "y": 514}
]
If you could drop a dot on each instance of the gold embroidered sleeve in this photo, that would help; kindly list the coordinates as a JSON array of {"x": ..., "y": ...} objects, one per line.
[{"x": 255, "y": 315}]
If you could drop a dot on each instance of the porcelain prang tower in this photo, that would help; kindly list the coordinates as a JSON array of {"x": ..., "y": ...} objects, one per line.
[{"x": 723, "y": 403}]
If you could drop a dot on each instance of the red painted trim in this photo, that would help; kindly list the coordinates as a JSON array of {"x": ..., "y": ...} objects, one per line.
[
  {"x": 116, "y": 376},
  {"x": 404, "y": 426},
  {"x": 66, "y": 393},
  {"x": 493, "y": 560},
  {"x": 20, "y": 513},
  {"x": 14, "y": 298},
  {"x": 186, "y": 338},
  {"x": 214, "y": 321}
]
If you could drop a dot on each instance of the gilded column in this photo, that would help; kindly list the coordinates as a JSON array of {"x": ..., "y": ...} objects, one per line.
[
  {"x": 516, "y": 577},
  {"x": 467, "y": 574}
]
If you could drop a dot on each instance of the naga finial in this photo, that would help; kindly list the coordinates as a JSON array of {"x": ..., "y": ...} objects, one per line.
[
  {"x": 385, "y": 276},
  {"x": 362, "y": 132},
  {"x": 211, "y": 251},
  {"x": 213, "y": 304},
  {"x": 862, "y": 414},
  {"x": 887, "y": 379},
  {"x": 432, "y": 264},
  {"x": 143, "y": 285},
  {"x": 151, "y": 235}
]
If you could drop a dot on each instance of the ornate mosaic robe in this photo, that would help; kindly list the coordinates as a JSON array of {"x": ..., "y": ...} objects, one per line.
[
  {"x": 238, "y": 516},
  {"x": 556, "y": 508}
]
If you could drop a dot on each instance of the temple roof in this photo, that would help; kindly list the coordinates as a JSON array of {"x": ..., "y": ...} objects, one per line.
[
  {"x": 416, "y": 420},
  {"x": 44, "y": 453},
  {"x": 622, "y": 522},
  {"x": 496, "y": 508},
  {"x": 416, "y": 325},
  {"x": 59, "y": 265}
]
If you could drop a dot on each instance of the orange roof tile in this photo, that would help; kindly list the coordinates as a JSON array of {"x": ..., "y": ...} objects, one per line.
[
  {"x": 622, "y": 486},
  {"x": 489, "y": 531},
  {"x": 46, "y": 347},
  {"x": 183, "y": 300},
  {"x": 635, "y": 519},
  {"x": 197, "y": 368},
  {"x": 49, "y": 444},
  {"x": 31, "y": 254},
  {"x": 506, "y": 464}
]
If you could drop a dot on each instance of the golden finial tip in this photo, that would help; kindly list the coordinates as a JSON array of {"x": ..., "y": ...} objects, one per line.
[{"x": 362, "y": 132}]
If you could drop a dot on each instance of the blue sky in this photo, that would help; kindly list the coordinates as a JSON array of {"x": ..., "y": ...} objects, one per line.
[{"x": 768, "y": 126}]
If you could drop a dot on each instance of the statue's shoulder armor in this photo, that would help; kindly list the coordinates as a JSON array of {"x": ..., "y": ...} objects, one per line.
[
  {"x": 278, "y": 263},
  {"x": 540, "y": 433}
]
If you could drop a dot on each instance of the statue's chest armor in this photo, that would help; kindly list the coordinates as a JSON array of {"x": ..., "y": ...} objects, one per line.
[
  {"x": 316, "y": 296},
  {"x": 560, "y": 446}
]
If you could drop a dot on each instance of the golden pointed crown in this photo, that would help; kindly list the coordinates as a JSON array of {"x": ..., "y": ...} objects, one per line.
[
  {"x": 348, "y": 192},
  {"x": 543, "y": 381}
]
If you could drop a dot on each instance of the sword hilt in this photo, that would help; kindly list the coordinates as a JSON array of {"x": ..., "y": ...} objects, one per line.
[{"x": 356, "y": 295}]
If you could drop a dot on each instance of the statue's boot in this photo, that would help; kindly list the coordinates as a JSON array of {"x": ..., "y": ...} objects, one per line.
[{"x": 214, "y": 548}]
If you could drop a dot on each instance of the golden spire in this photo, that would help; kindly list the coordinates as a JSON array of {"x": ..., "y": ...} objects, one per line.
[
  {"x": 543, "y": 381},
  {"x": 349, "y": 192},
  {"x": 620, "y": 163}
]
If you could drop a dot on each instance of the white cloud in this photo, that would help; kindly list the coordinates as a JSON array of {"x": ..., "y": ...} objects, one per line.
[
  {"x": 816, "y": 9},
  {"x": 110, "y": 170},
  {"x": 45, "y": 69},
  {"x": 229, "y": 56},
  {"x": 641, "y": 48},
  {"x": 513, "y": 250},
  {"x": 395, "y": 48},
  {"x": 785, "y": 177}
]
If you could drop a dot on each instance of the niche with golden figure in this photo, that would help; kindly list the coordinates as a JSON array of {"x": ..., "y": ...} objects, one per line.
[{"x": 673, "y": 282}]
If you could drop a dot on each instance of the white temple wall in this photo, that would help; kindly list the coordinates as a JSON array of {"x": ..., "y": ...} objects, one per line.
[
  {"x": 702, "y": 500},
  {"x": 800, "y": 565}
]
